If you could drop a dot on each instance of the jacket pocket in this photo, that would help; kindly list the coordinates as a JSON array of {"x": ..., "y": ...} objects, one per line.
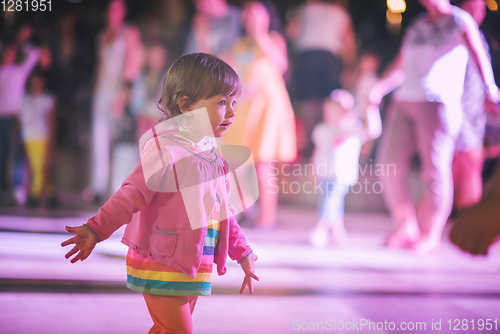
[{"x": 163, "y": 243}]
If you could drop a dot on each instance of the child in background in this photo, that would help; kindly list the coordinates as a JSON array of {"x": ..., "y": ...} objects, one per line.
[
  {"x": 37, "y": 128},
  {"x": 17, "y": 62},
  {"x": 336, "y": 158},
  {"x": 176, "y": 201}
]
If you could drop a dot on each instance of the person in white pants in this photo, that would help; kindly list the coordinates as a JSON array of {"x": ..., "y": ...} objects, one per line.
[
  {"x": 119, "y": 64},
  {"x": 426, "y": 116}
]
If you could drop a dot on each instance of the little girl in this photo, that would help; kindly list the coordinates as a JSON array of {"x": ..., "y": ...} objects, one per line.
[
  {"x": 336, "y": 158},
  {"x": 176, "y": 201},
  {"x": 37, "y": 123}
]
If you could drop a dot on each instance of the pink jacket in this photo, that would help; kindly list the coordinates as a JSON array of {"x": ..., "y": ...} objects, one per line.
[{"x": 169, "y": 225}]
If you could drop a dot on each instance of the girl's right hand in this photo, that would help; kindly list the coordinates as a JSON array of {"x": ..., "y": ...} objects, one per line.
[{"x": 84, "y": 242}]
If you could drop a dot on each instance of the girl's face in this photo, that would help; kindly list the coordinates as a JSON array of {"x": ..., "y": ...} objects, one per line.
[{"x": 220, "y": 110}]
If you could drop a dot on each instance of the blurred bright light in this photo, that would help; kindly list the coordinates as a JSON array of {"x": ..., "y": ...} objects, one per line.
[
  {"x": 393, "y": 18},
  {"x": 393, "y": 22},
  {"x": 397, "y": 6},
  {"x": 492, "y": 5}
]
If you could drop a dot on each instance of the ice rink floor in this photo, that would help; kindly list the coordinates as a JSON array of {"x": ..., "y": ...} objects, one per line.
[{"x": 360, "y": 288}]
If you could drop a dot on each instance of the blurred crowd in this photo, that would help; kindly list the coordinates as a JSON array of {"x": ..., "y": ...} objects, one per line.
[
  {"x": 311, "y": 88},
  {"x": 91, "y": 83}
]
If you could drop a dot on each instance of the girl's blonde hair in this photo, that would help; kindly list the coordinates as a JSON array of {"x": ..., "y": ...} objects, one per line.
[{"x": 197, "y": 76}]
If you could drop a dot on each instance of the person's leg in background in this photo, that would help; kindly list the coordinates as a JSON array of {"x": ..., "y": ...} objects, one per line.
[
  {"x": 171, "y": 314},
  {"x": 339, "y": 233},
  {"x": 36, "y": 154},
  {"x": 100, "y": 151},
  {"x": 437, "y": 127},
  {"x": 21, "y": 175},
  {"x": 310, "y": 113},
  {"x": 469, "y": 155},
  {"x": 331, "y": 212},
  {"x": 8, "y": 129},
  {"x": 268, "y": 196},
  {"x": 397, "y": 145},
  {"x": 467, "y": 169}
]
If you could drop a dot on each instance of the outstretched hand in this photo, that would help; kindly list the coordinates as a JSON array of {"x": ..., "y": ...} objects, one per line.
[
  {"x": 84, "y": 242},
  {"x": 248, "y": 267}
]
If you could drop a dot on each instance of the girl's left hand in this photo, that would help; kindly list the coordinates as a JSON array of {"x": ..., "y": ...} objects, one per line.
[{"x": 248, "y": 267}]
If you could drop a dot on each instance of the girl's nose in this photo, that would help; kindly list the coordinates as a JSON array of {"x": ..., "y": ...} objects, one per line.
[{"x": 230, "y": 111}]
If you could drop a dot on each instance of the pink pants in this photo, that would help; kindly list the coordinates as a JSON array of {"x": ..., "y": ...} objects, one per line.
[{"x": 430, "y": 128}]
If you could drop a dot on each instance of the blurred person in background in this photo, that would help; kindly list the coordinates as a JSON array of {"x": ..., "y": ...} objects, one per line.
[
  {"x": 468, "y": 160},
  {"x": 426, "y": 115},
  {"x": 338, "y": 142},
  {"x": 365, "y": 76},
  {"x": 37, "y": 128},
  {"x": 70, "y": 77},
  {"x": 265, "y": 121},
  {"x": 18, "y": 60},
  {"x": 119, "y": 64},
  {"x": 322, "y": 35},
  {"x": 146, "y": 91},
  {"x": 172, "y": 28},
  {"x": 215, "y": 28}
]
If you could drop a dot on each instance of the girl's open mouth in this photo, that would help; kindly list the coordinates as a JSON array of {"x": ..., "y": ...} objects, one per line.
[{"x": 225, "y": 125}]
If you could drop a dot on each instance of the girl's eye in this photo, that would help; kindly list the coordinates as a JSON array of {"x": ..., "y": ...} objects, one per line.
[
  {"x": 222, "y": 102},
  {"x": 234, "y": 102}
]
